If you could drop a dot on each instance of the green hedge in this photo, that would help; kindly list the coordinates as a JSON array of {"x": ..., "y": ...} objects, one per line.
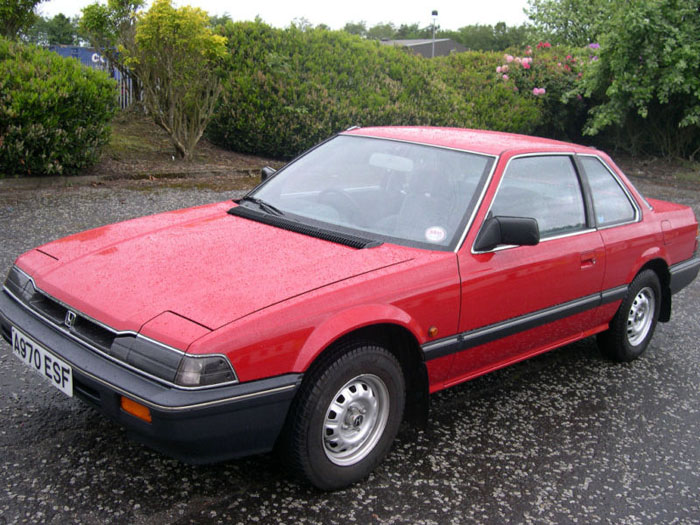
[
  {"x": 285, "y": 90},
  {"x": 54, "y": 112}
]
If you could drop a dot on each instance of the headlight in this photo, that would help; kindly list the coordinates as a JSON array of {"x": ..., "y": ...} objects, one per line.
[
  {"x": 19, "y": 284},
  {"x": 204, "y": 371},
  {"x": 172, "y": 365}
]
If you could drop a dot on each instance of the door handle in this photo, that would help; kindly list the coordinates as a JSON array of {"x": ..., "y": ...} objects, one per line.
[{"x": 588, "y": 260}]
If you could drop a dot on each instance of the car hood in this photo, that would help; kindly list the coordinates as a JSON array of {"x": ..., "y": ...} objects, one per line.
[{"x": 202, "y": 264}]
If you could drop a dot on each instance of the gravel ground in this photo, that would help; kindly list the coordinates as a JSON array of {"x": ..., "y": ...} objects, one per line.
[{"x": 565, "y": 437}]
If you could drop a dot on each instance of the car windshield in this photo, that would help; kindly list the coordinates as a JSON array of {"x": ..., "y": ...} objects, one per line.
[{"x": 383, "y": 189}]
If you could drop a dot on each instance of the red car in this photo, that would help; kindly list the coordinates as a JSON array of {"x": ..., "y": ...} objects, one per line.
[{"x": 320, "y": 310}]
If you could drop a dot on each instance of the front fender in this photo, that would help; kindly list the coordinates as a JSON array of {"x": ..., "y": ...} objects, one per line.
[{"x": 350, "y": 320}]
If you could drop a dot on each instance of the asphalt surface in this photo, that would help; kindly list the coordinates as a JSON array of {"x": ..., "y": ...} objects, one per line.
[{"x": 566, "y": 437}]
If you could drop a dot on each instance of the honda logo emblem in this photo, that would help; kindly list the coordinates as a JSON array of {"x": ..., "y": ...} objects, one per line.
[{"x": 70, "y": 319}]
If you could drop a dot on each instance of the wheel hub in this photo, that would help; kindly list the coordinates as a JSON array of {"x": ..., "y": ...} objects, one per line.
[
  {"x": 355, "y": 419},
  {"x": 640, "y": 316}
]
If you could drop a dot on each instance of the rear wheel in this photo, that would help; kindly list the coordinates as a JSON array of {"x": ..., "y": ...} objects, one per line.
[
  {"x": 346, "y": 416},
  {"x": 633, "y": 325}
]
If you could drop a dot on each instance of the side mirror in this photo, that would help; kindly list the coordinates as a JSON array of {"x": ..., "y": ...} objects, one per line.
[
  {"x": 266, "y": 173},
  {"x": 519, "y": 231}
]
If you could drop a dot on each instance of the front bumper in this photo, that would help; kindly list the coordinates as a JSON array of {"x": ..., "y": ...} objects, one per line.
[{"x": 195, "y": 426}]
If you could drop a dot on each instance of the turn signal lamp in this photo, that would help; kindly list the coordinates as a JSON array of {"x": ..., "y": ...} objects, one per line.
[{"x": 136, "y": 409}]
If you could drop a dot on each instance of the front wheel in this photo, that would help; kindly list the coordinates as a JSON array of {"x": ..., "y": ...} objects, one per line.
[
  {"x": 633, "y": 325},
  {"x": 346, "y": 416}
]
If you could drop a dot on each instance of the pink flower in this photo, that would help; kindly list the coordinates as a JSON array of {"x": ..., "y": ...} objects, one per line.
[
  {"x": 504, "y": 69},
  {"x": 538, "y": 91},
  {"x": 579, "y": 97},
  {"x": 594, "y": 45},
  {"x": 509, "y": 58},
  {"x": 498, "y": 69},
  {"x": 526, "y": 65},
  {"x": 505, "y": 77},
  {"x": 518, "y": 60},
  {"x": 568, "y": 57}
]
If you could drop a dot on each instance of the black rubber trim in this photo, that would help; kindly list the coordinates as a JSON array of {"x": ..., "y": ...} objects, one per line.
[
  {"x": 684, "y": 273},
  {"x": 287, "y": 224},
  {"x": 614, "y": 294},
  {"x": 487, "y": 334}
]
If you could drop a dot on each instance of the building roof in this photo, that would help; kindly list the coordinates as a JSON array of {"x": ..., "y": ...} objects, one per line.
[{"x": 424, "y": 46}]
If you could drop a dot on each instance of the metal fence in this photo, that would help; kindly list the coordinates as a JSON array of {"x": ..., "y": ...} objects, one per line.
[
  {"x": 126, "y": 91},
  {"x": 89, "y": 57}
]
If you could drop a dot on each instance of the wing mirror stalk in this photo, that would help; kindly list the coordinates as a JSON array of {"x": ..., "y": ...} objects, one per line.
[
  {"x": 518, "y": 231},
  {"x": 266, "y": 173}
]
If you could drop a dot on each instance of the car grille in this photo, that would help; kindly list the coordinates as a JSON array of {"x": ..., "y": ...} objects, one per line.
[
  {"x": 80, "y": 326},
  {"x": 139, "y": 353}
]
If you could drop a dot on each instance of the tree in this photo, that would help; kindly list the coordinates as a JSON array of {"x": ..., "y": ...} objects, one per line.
[
  {"x": 176, "y": 57},
  {"x": 379, "y": 31},
  {"x": 219, "y": 20},
  {"x": 59, "y": 30},
  {"x": 110, "y": 27},
  {"x": 16, "y": 16},
  {"x": 408, "y": 31},
  {"x": 356, "y": 28},
  {"x": 574, "y": 22},
  {"x": 646, "y": 75}
]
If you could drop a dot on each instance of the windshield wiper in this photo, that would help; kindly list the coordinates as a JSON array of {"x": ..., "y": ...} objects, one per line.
[{"x": 265, "y": 206}]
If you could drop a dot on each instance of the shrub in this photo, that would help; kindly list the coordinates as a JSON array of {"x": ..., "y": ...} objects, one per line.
[
  {"x": 288, "y": 89},
  {"x": 54, "y": 113},
  {"x": 483, "y": 101},
  {"x": 550, "y": 75}
]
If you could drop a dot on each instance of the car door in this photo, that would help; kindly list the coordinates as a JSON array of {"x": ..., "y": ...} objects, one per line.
[
  {"x": 618, "y": 219},
  {"x": 520, "y": 300}
]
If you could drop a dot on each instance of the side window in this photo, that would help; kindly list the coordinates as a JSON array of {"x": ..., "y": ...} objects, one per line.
[
  {"x": 610, "y": 202},
  {"x": 545, "y": 188}
]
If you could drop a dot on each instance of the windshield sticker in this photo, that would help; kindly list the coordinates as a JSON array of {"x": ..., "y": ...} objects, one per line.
[{"x": 435, "y": 234}]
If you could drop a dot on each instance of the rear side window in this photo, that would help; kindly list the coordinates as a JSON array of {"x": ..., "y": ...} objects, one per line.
[
  {"x": 610, "y": 202},
  {"x": 545, "y": 188}
]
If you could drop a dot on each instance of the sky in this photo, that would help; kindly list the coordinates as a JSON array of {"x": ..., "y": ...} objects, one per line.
[{"x": 452, "y": 14}]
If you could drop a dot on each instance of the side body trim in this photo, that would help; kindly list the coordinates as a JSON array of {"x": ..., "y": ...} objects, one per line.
[{"x": 487, "y": 334}]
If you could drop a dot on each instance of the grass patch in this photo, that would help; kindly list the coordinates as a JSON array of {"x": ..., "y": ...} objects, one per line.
[
  {"x": 136, "y": 137},
  {"x": 688, "y": 171}
]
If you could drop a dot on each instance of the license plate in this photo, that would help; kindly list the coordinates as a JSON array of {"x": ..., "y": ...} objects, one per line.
[{"x": 59, "y": 373}]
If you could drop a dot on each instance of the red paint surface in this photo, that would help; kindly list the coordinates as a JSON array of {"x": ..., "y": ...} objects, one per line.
[{"x": 273, "y": 300}]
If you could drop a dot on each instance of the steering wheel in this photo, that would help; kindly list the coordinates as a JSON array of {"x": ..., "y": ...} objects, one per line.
[{"x": 343, "y": 203}]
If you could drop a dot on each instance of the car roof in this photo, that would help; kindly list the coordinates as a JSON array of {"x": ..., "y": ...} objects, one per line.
[{"x": 480, "y": 141}]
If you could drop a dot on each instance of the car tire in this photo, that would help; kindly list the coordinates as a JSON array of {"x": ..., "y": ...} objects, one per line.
[
  {"x": 346, "y": 415},
  {"x": 633, "y": 325}
]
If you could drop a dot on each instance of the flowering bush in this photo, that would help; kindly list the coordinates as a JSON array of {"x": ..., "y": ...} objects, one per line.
[{"x": 549, "y": 75}]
